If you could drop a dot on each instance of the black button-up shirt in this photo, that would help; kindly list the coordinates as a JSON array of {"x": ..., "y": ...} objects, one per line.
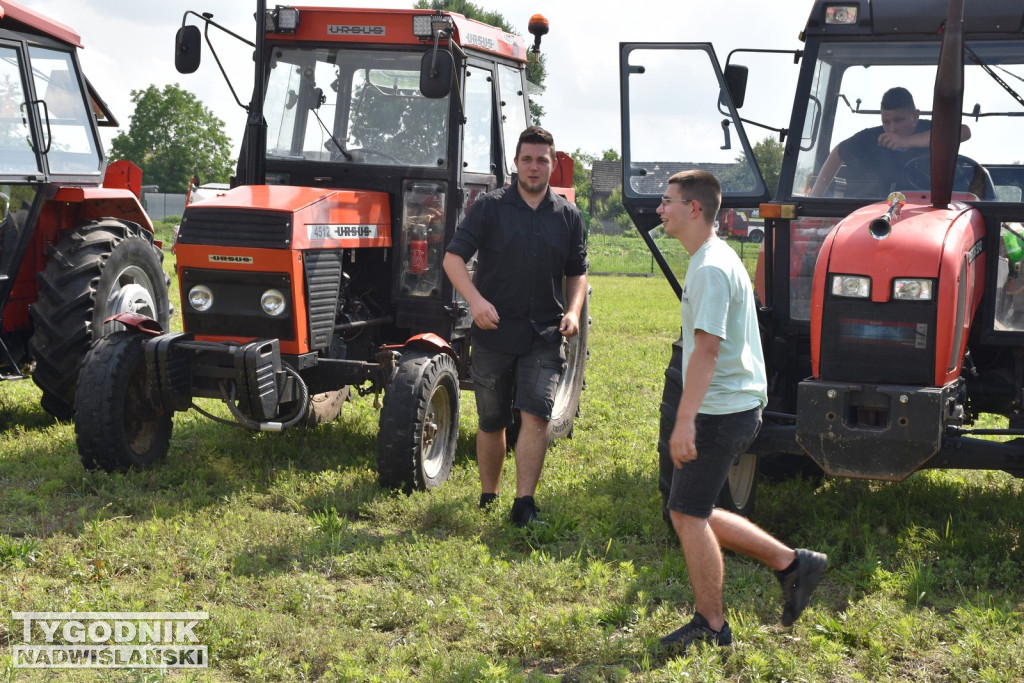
[{"x": 522, "y": 257}]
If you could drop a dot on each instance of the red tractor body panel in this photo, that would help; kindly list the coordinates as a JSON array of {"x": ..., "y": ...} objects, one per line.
[
  {"x": 927, "y": 243},
  {"x": 390, "y": 27}
]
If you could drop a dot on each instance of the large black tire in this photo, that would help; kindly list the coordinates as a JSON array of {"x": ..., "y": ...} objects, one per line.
[
  {"x": 101, "y": 268},
  {"x": 740, "y": 488},
  {"x": 117, "y": 425},
  {"x": 419, "y": 423},
  {"x": 572, "y": 382}
]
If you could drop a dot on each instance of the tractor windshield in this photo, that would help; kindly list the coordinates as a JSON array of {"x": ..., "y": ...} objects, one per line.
[
  {"x": 353, "y": 106},
  {"x": 844, "y": 118}
]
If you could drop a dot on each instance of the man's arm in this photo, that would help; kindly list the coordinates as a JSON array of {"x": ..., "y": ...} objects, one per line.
[
  {"x": 917, "y": 140},
  {"x": 484, "y": 314},
  {"x": 699, "y": 371},
  {"x": 575, "y": 295},
  {"x": 827, "y": 173}
]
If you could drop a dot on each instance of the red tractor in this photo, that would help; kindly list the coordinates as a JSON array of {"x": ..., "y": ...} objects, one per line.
[
  {"x": 892, "y": 307},
  {"x": 76, "y": 246},
  {"x": 370, "y": 133}
]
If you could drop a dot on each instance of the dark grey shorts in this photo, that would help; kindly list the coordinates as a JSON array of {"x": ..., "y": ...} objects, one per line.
[
  {"x": 721, "y": 439},
  {"x": 504, "y": 380}
]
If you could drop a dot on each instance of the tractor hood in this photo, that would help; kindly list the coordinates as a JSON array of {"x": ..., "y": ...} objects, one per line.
[
  {"x": 300, "y": 217},
  {"x": 921, "y": 231}
]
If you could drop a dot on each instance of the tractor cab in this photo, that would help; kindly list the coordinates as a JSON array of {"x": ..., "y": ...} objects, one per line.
[{"x": 889, "y": 276}]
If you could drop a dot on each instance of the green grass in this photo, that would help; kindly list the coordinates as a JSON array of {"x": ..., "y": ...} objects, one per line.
[{"x": 310, "y": 571}]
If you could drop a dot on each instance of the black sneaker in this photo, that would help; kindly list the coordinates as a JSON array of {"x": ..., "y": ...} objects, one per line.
[
  {"x": 799, "y": 581},
  {"x": 524, "y": 511},
  {"x": 698, "y": 630},
  {"x": 487, "y": 499}
]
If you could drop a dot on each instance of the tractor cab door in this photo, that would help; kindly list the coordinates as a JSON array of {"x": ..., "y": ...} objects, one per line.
[{"x": 678, "y": 114}]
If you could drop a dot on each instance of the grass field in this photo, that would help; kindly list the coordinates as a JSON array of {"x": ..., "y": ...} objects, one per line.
[{"x": 310, "y": 571}]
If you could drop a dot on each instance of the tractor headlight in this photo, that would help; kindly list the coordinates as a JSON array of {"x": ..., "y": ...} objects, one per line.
[
  {"x": 912, "y": 289},
  {"x": 273, "y": 302},
  {"x": 853, "y": 286},
  {"x": 200, "y": 298}
]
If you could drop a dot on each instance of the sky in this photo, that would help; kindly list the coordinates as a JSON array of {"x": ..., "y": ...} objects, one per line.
[{"x": 129, "y": 45}]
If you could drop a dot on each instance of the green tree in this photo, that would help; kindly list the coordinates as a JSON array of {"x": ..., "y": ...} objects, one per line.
[
  {"x": 768, "y": 153},
  {"x": 173, "y": 136},
  {"x": 536, "y": 71}
]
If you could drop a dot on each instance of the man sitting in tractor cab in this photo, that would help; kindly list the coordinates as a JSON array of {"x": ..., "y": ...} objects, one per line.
[{"x": 875, "y": 157}]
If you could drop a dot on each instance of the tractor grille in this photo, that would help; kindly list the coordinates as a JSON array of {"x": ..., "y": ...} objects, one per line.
[
  {"x": 236, "y": 228},
  {"x": 323, "y": 282},
  {"x": 889, "y": 343},
  {"x": 236, "y": 310}
]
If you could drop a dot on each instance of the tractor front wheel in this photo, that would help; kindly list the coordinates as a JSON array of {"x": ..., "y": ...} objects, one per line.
[
  {"x": 117, "y": 425},
  {"x": 101, "y": 268},
  {"x": 419, "y": 423}
]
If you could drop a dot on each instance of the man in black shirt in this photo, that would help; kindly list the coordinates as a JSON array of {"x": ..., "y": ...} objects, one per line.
[
  {"x": 527, "y": 240},
  {"x": 875, "y": 157}
]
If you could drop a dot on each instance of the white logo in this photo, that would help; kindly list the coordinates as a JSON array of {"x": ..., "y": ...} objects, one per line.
[
  {"x": 337, "y": 231},
  {"x": 109, "y": 640}
]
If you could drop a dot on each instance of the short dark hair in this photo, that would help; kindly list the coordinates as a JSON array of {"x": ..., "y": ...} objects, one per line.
[
  {"x": 537, "y": 135},
  {"x": 702, "y": 186},
  {"x": 898, "y": 98}
]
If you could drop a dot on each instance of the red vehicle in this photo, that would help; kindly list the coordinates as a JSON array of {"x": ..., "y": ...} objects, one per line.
[
  {"x": 75, "y": 244},
  {"x": 743, "y": 224},
  {"x": 891, "y": 314},
  {"x": 370, "y": 133}
]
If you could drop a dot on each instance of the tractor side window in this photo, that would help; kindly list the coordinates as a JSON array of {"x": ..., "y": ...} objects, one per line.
[
  {"x": 513, "y": 110},
  {"x": 73, "y": 147},
  {"x": 16, "y": 148},
  {"x": 477, "y": 144}
]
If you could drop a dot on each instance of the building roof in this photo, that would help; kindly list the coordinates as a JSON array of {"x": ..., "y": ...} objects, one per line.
[{"x": 605, "y": 176}]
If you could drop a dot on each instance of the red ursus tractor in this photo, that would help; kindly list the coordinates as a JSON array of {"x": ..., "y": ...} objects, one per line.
[
  {"x": 76, "y": 246},
  {"x": 370, "y": 134}
]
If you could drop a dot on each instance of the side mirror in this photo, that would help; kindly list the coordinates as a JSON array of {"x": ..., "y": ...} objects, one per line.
[
  {"x": 736, "y": 82},
  {"x": 188, "y": 47},
  {"x": 436, "y": 69}
]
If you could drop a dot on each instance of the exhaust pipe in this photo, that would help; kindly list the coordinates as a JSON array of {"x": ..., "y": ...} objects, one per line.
[
  {"x": 882, "y": 226},
  {"x": 947, "y": 106}
]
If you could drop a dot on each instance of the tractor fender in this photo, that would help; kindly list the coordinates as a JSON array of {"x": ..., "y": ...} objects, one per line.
[
  {"x": 137, "y": 323},
  {"x": 428, "y": 341},
  {"x": 94, "y": 203}
]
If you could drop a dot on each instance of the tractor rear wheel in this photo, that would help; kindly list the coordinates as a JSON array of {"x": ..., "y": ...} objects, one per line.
[
  {"x": 419, "y": 423},
  {"x": 101, "y": 268},
  {"x": 117, "y": 425}
]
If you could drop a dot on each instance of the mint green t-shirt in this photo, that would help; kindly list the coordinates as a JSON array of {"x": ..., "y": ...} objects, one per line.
[{"x": 719, "y": 299}]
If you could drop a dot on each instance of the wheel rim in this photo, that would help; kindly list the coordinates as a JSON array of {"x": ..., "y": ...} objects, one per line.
[
  {"x": 563, "y": 393},
  {"x": 132, "y": 292},
  {"x": 742, "y": 478},
  {"x": 437, "y": 429}
]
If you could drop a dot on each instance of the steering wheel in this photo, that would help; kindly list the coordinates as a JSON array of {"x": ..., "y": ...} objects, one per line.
[
  {"x": 367, "y": 151},
  {"x": 968, "y": 176}
]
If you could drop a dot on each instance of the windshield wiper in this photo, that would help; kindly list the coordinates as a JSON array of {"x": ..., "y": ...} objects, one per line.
[
  {"x": 319, "y": 97},
  {"x": 1006, "y": 86}
]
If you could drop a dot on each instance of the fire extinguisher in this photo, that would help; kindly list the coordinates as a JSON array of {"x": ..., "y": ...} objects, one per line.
[{"x": 418, "y": 250}]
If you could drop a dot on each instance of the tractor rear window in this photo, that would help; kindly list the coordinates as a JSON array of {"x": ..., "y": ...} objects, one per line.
[{"x": 355, "y": 107}]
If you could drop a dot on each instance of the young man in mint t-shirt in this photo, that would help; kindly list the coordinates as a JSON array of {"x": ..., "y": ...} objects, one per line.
[{"x": 719, "y": 414}]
